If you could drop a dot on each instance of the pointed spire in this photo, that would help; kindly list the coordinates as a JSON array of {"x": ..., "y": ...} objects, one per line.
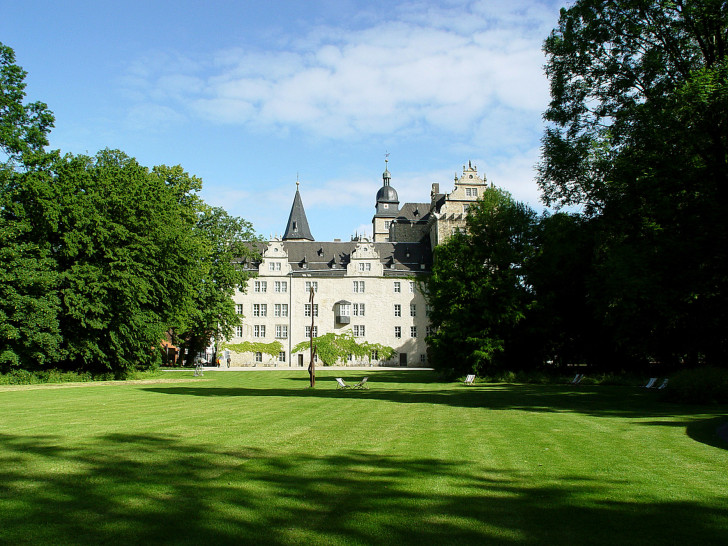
[{"x": 297, "y": 228}]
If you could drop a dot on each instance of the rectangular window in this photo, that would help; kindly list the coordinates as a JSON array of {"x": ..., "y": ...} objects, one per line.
[
  {"x": 259, "y": 357},
  {"x": 413, "y": 310},
  {"x": 238, "y": 331},
  {"x": 397, "y": 332},
  {"x": 307, "y": 309},
  {"x": 358, "y": 287},
  {"x": 358, "y": 309},
  {"x": 281, "y": 331},
  {"x": 281, "y": 287},
  {"x": 387, "y": 223},
  {"x": 397, "y": 287},
  {"x": 343, "y": 310},
  {"x": 413, "y": 331},
  {"x": 274, "y": 266},
  {"x": 260, "y": 309},
  {"x": 365, "y": 266},
  {"x": 397, "y": 310},
  {"x": 280, "y": 310},
  {"x": 260, "y": 286},
  {"x": 358, "y": 330},
  {"x": 239, "y": 308},
  {"x": 428, "y": 330},
  {"x": 311, "y": 284},
  {"x": 374, "y": 355},
  {"x": 308, "y": 331},
  {"x": 412, "y": 287},
  {"x": 423, "y": 358},
  {"x": 259, "y": 330},
  {"x": 428, "y": 310},
  {"x": 282, "y": 356}
]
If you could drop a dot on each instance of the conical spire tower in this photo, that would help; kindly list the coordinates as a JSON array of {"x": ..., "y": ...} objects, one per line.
[{"x": 297, "y": 228}]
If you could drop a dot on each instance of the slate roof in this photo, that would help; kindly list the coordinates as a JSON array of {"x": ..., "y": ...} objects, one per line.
[
  {"x": 297, "y": 226},
  {"x": 331, "y": 258},
  {"x": 414, "y": 212}
]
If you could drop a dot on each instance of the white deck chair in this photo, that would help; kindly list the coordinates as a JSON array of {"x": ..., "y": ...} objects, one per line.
[
  {"x": 663, "y": 384},
  {"x": 577, "y": 379},
  {"x": 362, "y": 384},
  {"x": 651, "y": 383},
  {"x": 469, "y": 379},
  {"x": 341, "y": 384}
]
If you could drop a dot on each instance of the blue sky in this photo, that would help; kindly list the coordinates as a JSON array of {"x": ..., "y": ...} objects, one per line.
[{"x": 248, "y": 95}]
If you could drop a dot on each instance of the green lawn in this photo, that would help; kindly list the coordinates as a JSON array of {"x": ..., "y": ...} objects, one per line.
[{"x": 256, "y": 457}]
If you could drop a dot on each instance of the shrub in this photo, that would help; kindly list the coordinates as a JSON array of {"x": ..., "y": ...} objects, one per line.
[
  {"x": 25, "y": 377},
  {"x": 705, "y": 385}
]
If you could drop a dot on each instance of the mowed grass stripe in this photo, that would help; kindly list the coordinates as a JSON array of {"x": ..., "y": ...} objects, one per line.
[{"x": 258, "y": 457}]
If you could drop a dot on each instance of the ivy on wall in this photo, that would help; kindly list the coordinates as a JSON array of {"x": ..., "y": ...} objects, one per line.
[
  {"x": 247, "y": 347},
  {"x": 332, "y": 347}
]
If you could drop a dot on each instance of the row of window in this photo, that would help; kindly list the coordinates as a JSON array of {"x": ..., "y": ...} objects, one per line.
[
  {"x": 358, "y": 330},
  {"x": 356, "y": 310},
  {"x": 281, "y": 287},
  {"x": 282, "y": 357}
]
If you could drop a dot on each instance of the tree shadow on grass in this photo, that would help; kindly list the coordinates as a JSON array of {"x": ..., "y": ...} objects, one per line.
[
  {"x": 713, "y": 432},
  {"x": 151, "y": 489},
  {"x": 594, "y": 401}
]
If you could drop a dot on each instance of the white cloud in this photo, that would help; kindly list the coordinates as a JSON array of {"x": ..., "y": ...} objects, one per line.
[{"x": 424, "y": 68}]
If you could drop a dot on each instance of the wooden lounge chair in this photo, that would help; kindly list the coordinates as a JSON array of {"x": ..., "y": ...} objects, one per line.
[
  {"x": 663, "y": 384},
  {"x": 651, "y": 383},
  {"x": 469, "y": 379},
  {"x": 341, "y": 384},
  {"x": 362, "y": 384}
]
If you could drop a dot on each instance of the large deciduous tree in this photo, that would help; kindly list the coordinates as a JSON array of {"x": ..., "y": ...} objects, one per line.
[
  {"x": 29, "y": 305},
  {"x": 226, "y": 240},
  {"x": 638, "y": 136},
  {"x": 100, "y": 256},
  {"x": 477, "y": 291},
  {"x": 127, "y": 256}
]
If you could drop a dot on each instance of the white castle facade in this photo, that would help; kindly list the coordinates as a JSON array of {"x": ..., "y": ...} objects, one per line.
[{"x": 368, "y": 287}]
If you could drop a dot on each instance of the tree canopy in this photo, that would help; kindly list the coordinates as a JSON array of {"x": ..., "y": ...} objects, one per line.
[
  {"x": 101, "y": 256},
  {"x": 477, "y": 290},
  {"x": 638, "y": 137}
]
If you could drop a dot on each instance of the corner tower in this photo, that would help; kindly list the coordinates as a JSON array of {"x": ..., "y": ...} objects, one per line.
[
  {"x": 387, "y": 208},
  {"x": 297, "y": 228}
]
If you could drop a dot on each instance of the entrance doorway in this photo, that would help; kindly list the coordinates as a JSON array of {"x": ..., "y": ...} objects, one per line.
[{"x": 402, "y": 359}]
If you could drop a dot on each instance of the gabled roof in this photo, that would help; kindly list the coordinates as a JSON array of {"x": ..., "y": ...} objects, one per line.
[{"x": 297, "y": 228}]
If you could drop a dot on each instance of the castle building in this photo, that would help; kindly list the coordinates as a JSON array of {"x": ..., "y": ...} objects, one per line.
[{"x": 368, "y": 287}]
